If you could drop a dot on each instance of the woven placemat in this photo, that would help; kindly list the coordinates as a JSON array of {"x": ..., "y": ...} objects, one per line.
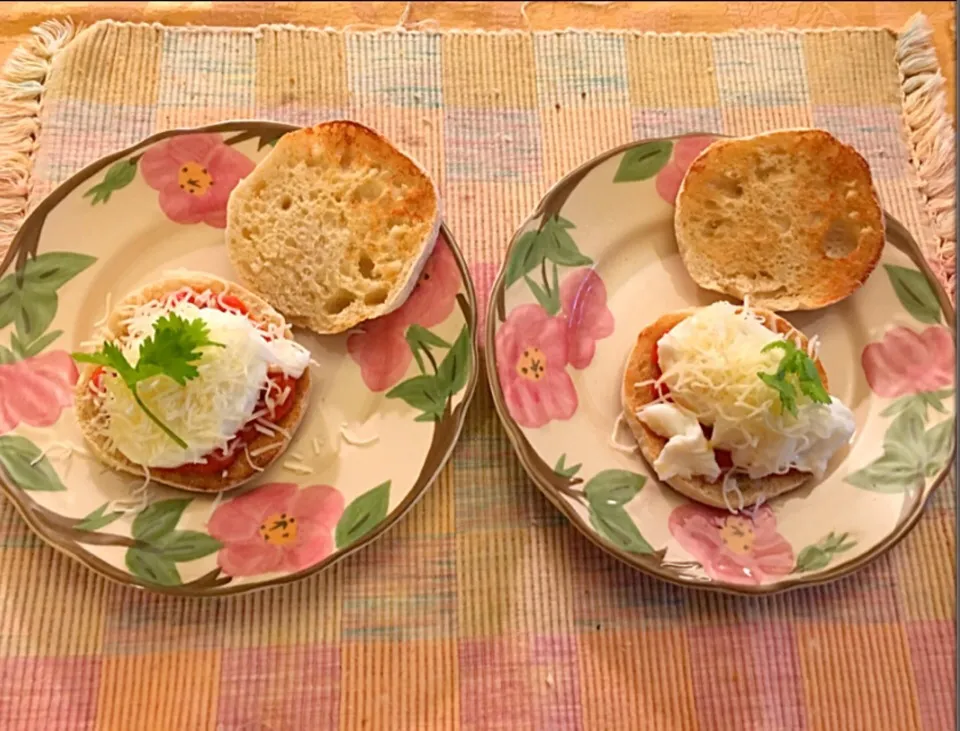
[{"x": 483, "y": 609}]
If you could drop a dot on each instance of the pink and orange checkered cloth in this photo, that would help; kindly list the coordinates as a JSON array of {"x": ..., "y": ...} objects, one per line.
[{"x": 484, "y": 609}]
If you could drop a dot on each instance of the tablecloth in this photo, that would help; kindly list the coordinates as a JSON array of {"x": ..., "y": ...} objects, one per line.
[{"x": 483, "y": 609}]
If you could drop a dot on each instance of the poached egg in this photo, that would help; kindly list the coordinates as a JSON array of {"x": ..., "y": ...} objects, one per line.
[
  {"x": 710, "y": 363},
  {"x": 208, "y": 410}
]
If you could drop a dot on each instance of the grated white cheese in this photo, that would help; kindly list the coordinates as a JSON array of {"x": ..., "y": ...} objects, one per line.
[
  {"x": 730, "y": 486},
  {"x": 246, "y": 451},
  {"x": 267, "y": 448},
  {"x": 280, "y": 429},
  {"x": 139, "y": 497},
  {"x": 64, "y": 450},
  {"x": 106, "y": 313},
  {"x": 710, "y": 363},
  {"x": 756, "y": 506},
  {"x": 298, "y": 467},
  {"x": 355, "y": 440},
  {"x": 614, "y": 438}
]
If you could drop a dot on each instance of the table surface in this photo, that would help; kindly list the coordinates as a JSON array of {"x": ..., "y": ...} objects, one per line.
[{"x": 16, "y": 18}]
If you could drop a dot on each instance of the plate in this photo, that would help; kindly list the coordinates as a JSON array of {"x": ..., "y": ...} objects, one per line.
[
  {"x": 387, "y": 405},
  {"x": 594, "y": 264}
]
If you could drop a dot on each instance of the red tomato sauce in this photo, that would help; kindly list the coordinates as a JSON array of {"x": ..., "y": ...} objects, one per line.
[{"x": 218, "y": 460}]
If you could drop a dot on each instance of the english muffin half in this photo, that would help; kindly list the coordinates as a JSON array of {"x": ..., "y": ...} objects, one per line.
[
  {"x": 790, "y": 219},
  {"x": 279, "y": 406},
  {"x": 333, "y": 227}
]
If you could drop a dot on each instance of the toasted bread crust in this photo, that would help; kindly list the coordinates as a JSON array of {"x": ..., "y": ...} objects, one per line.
[
  {"x": 790, "y": 218},
  {"x": 333, "y": 227},
  {"x": 641, "y": 367},
  {"x": 241, "y": 470}
]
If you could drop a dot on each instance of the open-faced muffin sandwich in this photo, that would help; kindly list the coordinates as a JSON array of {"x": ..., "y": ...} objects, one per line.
[
  {"x": 790, "y": 219},
  {"x": 196, "y": 382},
  {"x": 729, "y": 405}
]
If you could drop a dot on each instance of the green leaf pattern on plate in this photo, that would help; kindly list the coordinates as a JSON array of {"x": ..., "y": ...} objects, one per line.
[
  {"x": 161, "y": 546},
  {"x": 818, "y": 555},
  {"x": 915, "y": 293},
  {"x": 152, "y": 567},
  {"x": 607, "y": 493},
  {"x": 911, "y": 451},
  {"x": 432, "y": 391},
  {"x": 643, "y": 161},
  {"x": 98, "y": 519},
  {"x": 118, "y": 176},
  {"x": 363, "y": 515},
  {"x": 28, "y": 300},
  {"x": 547, "y": 249},
  {"x": 563, "y": 470},
  {"x": 156, "y": 521},
  {"x": 25, "y": 466}
]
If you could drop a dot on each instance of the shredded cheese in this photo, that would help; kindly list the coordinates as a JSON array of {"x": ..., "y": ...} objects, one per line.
[
  {"x": 316, "y": 446},
  {"x": 280, "y": 429},
  {"x": 730, "y": 486},
  {"x": 355, "y": 440},
  {"x": 268, "y": 448},
  {"x": 64, "y": 450},
  {"x": 139, "y": 497},
  {"x": 106, "y": 313},
  {"x": 298, "y": 467},
  {"x": 250, "y": 462},
  {"x": 615, "y": 441},
  {"x": 756, "y": 506}
]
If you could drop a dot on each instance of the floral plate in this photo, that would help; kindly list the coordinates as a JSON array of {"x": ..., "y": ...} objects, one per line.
[
  {"x": 595, "y": 263},
  {"x": 389, "y": 398}
]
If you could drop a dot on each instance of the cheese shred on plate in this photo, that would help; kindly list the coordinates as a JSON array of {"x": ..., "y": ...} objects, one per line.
[
  {"x": 208, "y": 411},
  {"x": 710, "y": 363}
]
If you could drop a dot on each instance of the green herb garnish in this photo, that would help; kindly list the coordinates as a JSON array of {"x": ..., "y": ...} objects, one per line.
[
  {"x": 171, "y": 351},
  {"x": 796, "y": 369}
]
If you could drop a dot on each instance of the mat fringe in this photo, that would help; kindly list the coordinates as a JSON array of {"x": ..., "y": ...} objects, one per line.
[
  {"x": 931, "y": 138},
  {"x": 21, "y": 97}
]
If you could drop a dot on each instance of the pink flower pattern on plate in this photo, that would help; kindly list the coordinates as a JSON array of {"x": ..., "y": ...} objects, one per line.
[
  {"x": 36, "y": 390},
  {"x": 379, "y": 347},
  {"x": 905, "y": 362},
  {"x": 685, "y": 151},
  {"x": 734, "y": 548},
  {"x": 276, "y": 527},
  {"x": 194, "y": 174},
  {"x": 583, "y": 298},
  {"x": 531, "y": 366}
]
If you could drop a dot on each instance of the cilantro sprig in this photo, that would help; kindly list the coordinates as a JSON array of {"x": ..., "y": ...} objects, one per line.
[
  {"x": 171, "y": 351},
  {"x": 796, "y": 370}
]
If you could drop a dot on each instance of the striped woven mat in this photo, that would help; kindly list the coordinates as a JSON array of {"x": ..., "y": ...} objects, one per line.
[{"x": 483, "y": 609}]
